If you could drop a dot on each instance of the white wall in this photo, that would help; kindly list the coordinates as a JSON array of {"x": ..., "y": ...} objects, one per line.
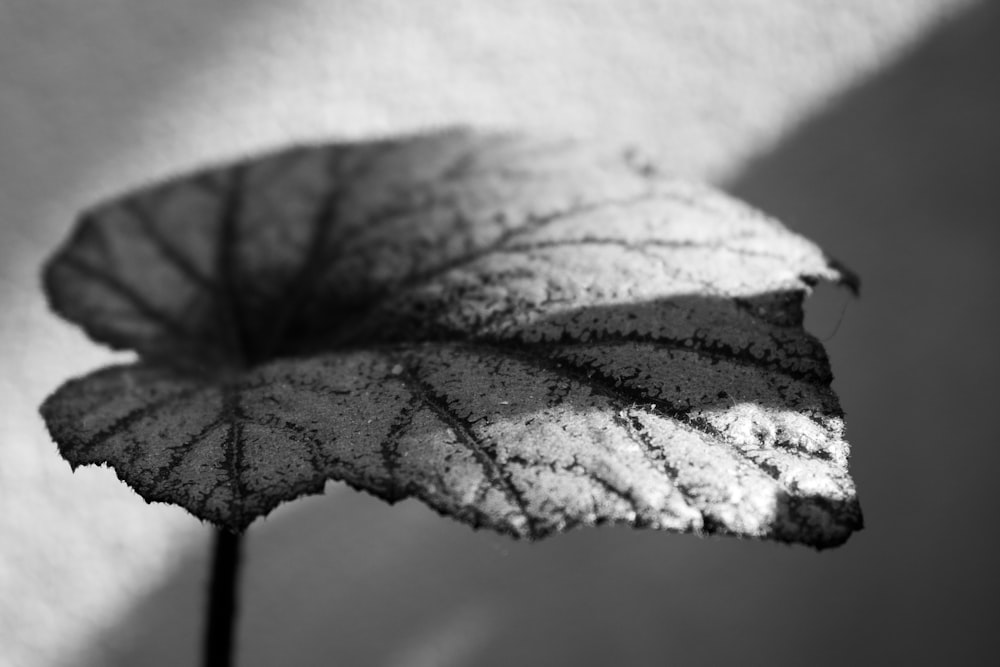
[{"x": 98, "y": 95}]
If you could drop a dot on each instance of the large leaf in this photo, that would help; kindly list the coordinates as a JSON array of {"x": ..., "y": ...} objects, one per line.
[{"x": 524, "y": 335}]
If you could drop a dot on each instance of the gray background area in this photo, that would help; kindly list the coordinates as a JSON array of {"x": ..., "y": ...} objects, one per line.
[{"x": 868, "y": 127}]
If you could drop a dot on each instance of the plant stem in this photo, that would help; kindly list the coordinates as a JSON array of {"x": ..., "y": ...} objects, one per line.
[{"x": 222, "y": 600}]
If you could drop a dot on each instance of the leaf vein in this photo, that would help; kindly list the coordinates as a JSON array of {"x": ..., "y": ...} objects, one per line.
[
  {"x": 634, "y": 430},
  {"x": 230, "y": 308},
  {"x": 134, "y": 298},
  {"x": 235, "y": 453},
  {"x": 717, "y": 352},
  {"x": 145, "y": 410},
  {"x": 178, "y": 452},
  {"x": 166, "y": 248},
  {"x": 468, "y": 439},
  {"x": 389, "y": 448}
]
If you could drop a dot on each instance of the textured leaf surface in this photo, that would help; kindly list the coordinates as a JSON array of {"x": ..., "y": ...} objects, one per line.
[{"x": 524, "y": 335}]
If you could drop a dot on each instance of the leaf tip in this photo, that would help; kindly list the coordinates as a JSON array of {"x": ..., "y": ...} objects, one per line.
[
  {"x": 847, "y": 277},
  {"x": 817, "y": 521}
]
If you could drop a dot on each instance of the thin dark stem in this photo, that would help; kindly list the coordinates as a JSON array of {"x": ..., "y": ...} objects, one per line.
[{"x": 222, "y": 600}]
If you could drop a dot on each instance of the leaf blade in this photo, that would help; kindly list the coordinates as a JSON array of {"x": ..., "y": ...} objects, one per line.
[{"x": 524, "y": 337}]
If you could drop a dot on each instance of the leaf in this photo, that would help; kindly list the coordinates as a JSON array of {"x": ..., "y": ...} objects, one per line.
[{"x": 526, "y": 336}]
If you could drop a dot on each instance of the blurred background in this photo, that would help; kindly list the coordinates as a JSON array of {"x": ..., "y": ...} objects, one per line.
[{"x": 869, "y": 127}]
